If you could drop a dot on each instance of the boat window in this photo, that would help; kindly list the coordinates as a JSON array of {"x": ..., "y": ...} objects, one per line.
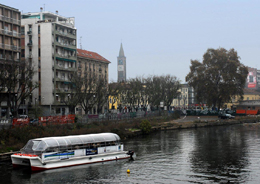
[
  {"x": 28, "y": 147},
  {"x": 51, "y": 142},
  {"x": 62, "y": 142},
  {"x": 35, "y": 144},
  {"x": 42, "y": 146},
  {"x": 63, "y": 148},
  {"x": 102, "y": 144},
  {"x": 70, "y": 142}
]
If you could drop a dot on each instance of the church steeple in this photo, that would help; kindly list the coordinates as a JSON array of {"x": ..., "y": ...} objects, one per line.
[
  {"x": 121, "y": 52},
  {"x": 121, "y": 65}
]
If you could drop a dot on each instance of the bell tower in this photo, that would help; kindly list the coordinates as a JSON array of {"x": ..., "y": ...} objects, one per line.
[{"x": 121, "y": 65}]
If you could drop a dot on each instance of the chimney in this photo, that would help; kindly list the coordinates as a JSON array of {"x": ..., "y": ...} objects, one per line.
[
  {"x": 57, "y": 12},
  {"x": 41, "y": 9}
]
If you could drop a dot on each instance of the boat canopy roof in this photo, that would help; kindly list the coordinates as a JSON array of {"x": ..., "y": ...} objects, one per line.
[{"x": 42, "y": 144}]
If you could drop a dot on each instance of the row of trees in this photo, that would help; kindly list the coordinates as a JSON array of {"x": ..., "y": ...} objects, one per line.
[
  {"x": 146, "y": 91},
  {"x": 91, "y": 90}
]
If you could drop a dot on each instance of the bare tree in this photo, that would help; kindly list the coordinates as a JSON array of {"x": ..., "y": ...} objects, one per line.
[
  {"x": 16, "y": 81},
  {"x": 161, "y": 89}
]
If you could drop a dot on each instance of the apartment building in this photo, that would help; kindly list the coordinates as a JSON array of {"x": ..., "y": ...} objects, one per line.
[
  {"x": 49, "y": 41},
  {"x": 10, "y": 43},
  {"x": 92, "y": 62}
]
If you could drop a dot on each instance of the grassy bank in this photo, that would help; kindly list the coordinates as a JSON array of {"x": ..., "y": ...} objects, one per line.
[{"x": 15, "y": 138}]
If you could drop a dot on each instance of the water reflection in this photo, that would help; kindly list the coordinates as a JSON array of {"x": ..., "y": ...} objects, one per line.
[
  {"x": 220, "y": 157},
  {"x": 77, "y": 174}
]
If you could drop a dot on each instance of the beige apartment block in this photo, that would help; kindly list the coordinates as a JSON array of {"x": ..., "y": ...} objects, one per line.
[
  {"x": 92, "y": 62},
  {"x": 10, "y": 44}
]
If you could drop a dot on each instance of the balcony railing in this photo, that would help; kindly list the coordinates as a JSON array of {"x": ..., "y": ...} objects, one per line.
[
  {"x": 11, "y": 33},
  {"x": 30, "y": 43},
  {"x": 66, "y": 34},
  {"x": 8, "y": 19},
  {"x": 62, "y": 90},
  {"x": 72, "y": 57},
  {"x": 16, "y": 34},
  {"x": 10, "y": 47},
  {"x": 66, "y": 45}
]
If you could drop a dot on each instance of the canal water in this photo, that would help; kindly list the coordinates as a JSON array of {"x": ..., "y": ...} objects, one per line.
[{"x": 223, "y": 154}]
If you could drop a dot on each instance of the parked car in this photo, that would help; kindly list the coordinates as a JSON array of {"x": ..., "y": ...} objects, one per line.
[
  {"x": 205, "y": 111},
  {"x": 226, "y": 116},
  {"x": 23, "y": 116},
  {"x": 34, "y": 122}
]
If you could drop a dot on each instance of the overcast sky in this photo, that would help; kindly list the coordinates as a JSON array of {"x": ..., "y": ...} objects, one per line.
[{"x": 159, "y": 37}]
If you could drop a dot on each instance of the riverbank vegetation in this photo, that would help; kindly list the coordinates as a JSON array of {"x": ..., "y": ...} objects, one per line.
[{"x": 14, "y": 138}]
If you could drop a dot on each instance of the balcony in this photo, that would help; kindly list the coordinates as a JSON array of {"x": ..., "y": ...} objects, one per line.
[
  {"x": 10, "y": 33},
  {"x": 15, "y": 21},
  {"x": 10, "y": 47},
  {"x": 60, "y": 67},
  {"x": 8, "y": 19},
  {"x": 2, "y": 59},
  {"x": 63, "y": 90},
  {"x": 65, "y": 34},
  {"x": 30, "y": 43},
  {"x": 64, "y": 57},
  {"x": 16, "y": 34},
  {"x": 29, "y": 32},
  {"x": 62, "y": 79},
  {"x": 70, "y": 47},
  {"x": 15, "y": 48}
]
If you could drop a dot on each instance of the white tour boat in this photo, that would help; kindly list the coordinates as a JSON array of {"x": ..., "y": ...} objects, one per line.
[{"x": 56, "y": 152}]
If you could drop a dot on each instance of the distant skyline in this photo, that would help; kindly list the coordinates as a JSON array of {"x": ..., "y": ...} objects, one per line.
[{"x": 159, "y": 37}]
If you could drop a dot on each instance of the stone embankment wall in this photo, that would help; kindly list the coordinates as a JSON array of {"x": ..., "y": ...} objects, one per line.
[{"x": 196, "y": 124}]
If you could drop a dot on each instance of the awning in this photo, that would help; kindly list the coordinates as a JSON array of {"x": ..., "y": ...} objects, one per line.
[
  {"x": 63, "y": 59},
  {"x": 69, "y": 49}
]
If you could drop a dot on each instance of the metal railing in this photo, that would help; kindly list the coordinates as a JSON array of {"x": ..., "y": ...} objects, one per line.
[
  {"x": 117, "y": 116},
  {"x": 9, "y": 19},
  {"x": 11, "y": 33}
]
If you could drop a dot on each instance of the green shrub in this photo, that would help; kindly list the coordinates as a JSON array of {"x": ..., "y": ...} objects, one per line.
[{"x": 145, "y": 126}]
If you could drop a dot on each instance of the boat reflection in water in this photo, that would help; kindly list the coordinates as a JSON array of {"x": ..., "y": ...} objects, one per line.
[
  {"x": 58, "y": 152},
  {"x": 81, "y": 173}
]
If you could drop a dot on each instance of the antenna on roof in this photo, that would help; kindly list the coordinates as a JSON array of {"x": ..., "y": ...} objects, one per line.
[
  {"x": 80, "y": 45},
  {"x": 43, "y": 7}
]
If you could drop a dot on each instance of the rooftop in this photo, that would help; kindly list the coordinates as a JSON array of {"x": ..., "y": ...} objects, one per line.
[
  {"x": 8, "y": 7},
  {"x": 91, "y": 55}
]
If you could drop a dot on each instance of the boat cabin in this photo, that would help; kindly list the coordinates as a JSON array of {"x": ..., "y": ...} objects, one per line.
[{"x": 73, "y": 146}]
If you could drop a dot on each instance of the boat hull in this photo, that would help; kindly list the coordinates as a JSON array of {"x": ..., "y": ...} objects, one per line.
[{"x": 36, "y": 163}]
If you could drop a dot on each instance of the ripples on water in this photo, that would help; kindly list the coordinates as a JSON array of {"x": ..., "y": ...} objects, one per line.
[{"x": 205, "y": 155}]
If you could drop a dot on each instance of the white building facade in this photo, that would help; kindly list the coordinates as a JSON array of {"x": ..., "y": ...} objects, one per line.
[{"x": 50, "y": 43}]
